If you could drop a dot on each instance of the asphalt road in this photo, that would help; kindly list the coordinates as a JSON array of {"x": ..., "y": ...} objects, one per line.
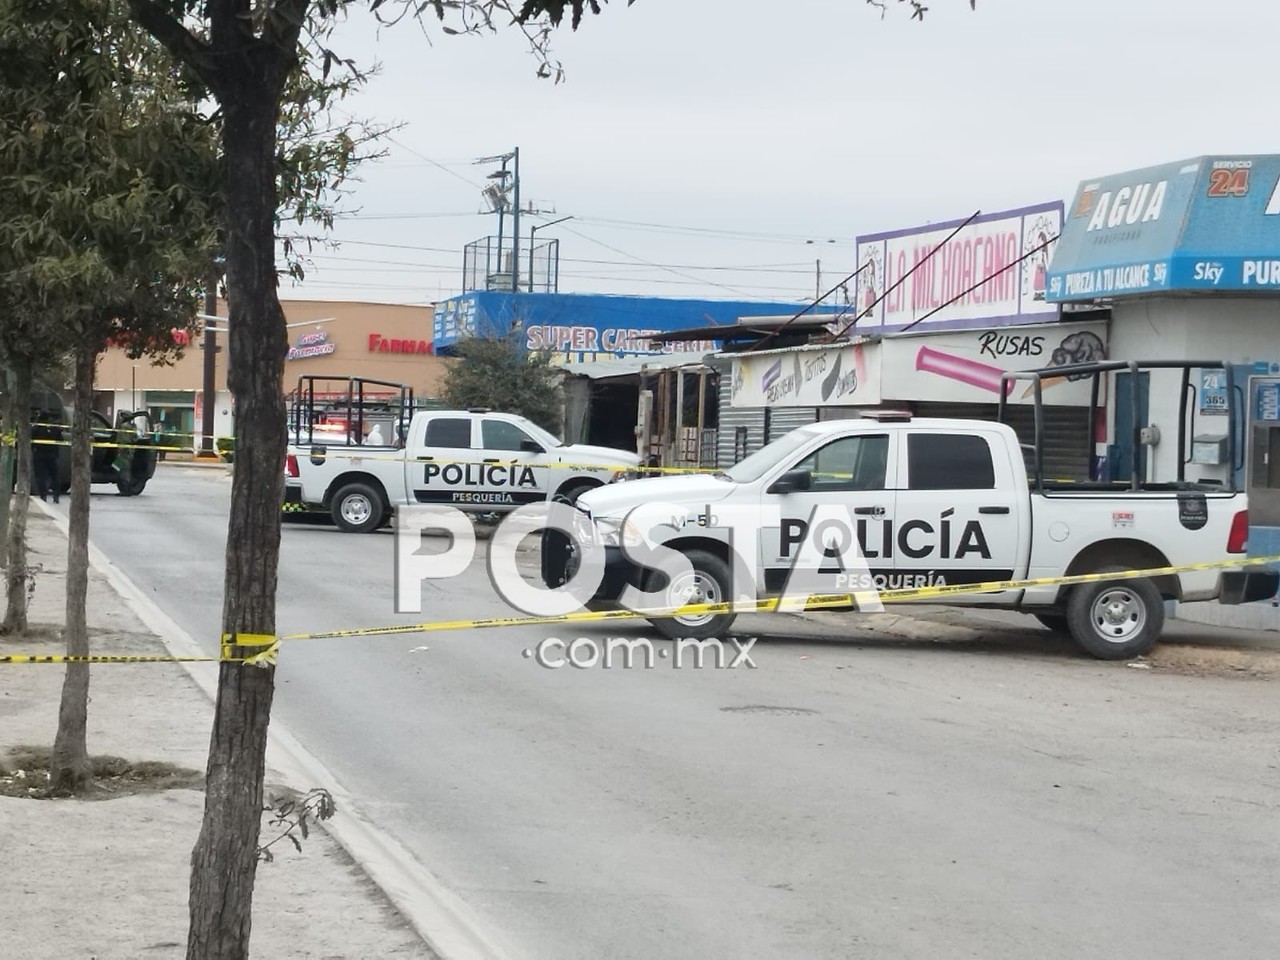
[{"x": 851, "y": 797}]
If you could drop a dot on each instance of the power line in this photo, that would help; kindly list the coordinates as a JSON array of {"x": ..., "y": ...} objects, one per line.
[
  {"x": 798, "y": 269},
  {"x": 405, "y": 216},
  {"x": 435, "y": 163}
]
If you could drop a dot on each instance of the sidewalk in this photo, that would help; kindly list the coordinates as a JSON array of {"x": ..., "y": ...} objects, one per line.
[
  {"x": 1186, "y": 647},
  {"x": 190, "y": 460},
  {"x": 106, "y": 878}
]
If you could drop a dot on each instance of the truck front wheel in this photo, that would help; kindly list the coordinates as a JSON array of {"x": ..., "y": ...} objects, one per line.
[
  {"x": 710, "y": 581},
  {"x": 571, "y": 492},
  {"x": 357, "y": 508},
  {"x": 1116, "y": 619},
  {"x": 131, "y": 486}
]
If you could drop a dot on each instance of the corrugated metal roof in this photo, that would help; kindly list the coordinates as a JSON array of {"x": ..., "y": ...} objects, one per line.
[{"x": 629, "y": 366}]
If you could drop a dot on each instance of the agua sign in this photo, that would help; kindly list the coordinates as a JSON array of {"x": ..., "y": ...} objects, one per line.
[{"x": 1212, "y": 223}]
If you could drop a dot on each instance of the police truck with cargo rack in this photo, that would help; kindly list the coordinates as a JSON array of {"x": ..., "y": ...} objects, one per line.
[{"x": 475, "y": 460}]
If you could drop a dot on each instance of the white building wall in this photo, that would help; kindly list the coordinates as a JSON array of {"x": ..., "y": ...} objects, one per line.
[{"x": 1238, "y": 330}]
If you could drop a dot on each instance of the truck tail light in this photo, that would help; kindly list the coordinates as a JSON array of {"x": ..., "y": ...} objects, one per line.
[
  {"x": 291, "y": 466},
  {"x": 1238, "y": 538}
]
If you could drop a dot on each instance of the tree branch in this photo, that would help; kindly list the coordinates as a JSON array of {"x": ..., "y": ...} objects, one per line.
[
  {"x": 285, "y": 27},
  {"x": 176, "y": 38}
]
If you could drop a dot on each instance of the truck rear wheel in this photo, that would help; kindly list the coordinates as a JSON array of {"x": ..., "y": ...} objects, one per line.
[
  {"x": 1116, "y": 619},
  {"x": 710, "y": 581},
  {"x": 357, "y": 508}
]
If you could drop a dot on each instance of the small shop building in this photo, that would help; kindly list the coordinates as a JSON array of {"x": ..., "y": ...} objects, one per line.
[
  {"x": 390, "y": 342},
  {"x": 625, "y": 386},
  {"x": 1186, "y": 257}
]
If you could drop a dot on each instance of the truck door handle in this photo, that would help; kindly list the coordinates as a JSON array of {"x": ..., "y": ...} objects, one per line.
[
  {"x": 492, "y": 460},
  {"x": 426, "y": 458},
  {"x": 993, "y": 509},
  {"x": 869, "y": 511}
]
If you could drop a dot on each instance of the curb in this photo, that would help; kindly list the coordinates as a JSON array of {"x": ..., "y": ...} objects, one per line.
[
  {"x": 195, "y": 464},
  {"x": 443, "y": 921}
]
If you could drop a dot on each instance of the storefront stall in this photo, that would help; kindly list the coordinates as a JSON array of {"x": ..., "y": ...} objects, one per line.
[
  {"x": 938, "y": 374},
  {"x": 1188, "y": 256},
  {"x": 942, "y": 311},
  {"x": 619, "y": 388}
]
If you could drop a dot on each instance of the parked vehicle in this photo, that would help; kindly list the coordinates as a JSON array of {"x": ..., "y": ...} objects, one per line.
[
  {"x": 476, "y": 460},
  {"x": 123, "y": 454},
  {"x": 934, "y": 502}
]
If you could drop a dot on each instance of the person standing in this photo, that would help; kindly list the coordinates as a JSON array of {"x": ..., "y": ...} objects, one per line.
[{"x": 46, "y": 438}]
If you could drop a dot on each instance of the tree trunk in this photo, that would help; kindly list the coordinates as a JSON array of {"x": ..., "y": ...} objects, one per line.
[
  {"x": 224, "y": 862},
  {"x": 70, "y": 771},
  {"x": 15, "y": 616},
  {"x": 7, "y": 460}
]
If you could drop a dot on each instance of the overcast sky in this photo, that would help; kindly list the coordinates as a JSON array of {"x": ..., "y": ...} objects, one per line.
[{"x": 699, "y": 144}]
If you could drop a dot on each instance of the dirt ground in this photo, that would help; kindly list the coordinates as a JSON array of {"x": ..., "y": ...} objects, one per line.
[{"x": 106, "y": 878}]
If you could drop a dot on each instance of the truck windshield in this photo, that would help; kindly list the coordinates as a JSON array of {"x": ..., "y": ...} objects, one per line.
[
  {"x": 548, "y": 440},
  {"x": 766, "y": 458}
]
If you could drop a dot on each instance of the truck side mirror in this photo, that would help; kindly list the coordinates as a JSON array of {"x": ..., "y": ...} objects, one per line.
[
  {"x": 792, "y": 480},
  {"x": 531, "y": 446}
]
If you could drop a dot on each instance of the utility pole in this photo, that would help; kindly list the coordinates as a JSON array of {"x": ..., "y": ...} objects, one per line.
[
  {"x": 532, "y": 232},
  {"x": 502, "y": 214},
  {"x": 515, "y": 227},
  {"x": 497, "y": 197},
  {"x": 209, "y": 393},
  {"x": 817, "y": 283}
]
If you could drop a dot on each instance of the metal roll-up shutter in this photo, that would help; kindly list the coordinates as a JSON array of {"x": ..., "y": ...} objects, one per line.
[
  {"x": 1068, "y": 433},
  {"x": 741, "y": 433},
  {"x": 782, "y": 420}
]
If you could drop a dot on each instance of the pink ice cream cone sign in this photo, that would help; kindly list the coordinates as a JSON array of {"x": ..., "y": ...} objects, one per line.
[{"x": 980, "y": 375}]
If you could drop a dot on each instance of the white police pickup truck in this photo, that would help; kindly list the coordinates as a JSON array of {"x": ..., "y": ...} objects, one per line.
[
  {"x": 474, "y": 460},
  {"x": 918, "y": 503}
]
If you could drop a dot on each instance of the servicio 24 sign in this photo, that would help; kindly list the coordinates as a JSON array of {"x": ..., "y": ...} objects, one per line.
[{"x": 1212, "y": 223}]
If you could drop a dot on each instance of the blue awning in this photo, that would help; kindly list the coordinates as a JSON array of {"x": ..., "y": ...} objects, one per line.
[{"x": 1212, "y": 223}]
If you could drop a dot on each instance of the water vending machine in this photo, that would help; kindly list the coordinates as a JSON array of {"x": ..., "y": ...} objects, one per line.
[{"x": 1263, "y": 438}]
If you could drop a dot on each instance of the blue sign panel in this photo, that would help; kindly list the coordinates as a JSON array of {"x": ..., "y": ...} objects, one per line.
[
  {"x": 1207, "y": 224},
  {"x": 589, "y": 327}
]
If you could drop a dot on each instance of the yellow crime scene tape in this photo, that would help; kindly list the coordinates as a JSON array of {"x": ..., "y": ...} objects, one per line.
[
  {"x": 348, "y": 454},
  {"x": 9, "y": 439},
  {"x": 270, "y": 644},
  {"x": 384, "y": 453}
]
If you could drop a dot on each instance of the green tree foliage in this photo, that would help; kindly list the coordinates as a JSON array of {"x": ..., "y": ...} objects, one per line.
[
  {"x": 499, "y": 374},
  {"x": 104, "y": 220}
]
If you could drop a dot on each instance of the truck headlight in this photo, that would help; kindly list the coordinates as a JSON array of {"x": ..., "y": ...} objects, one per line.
[
  {"x": 583, "y": 531},
  {"x": 612, "y": 532}
]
